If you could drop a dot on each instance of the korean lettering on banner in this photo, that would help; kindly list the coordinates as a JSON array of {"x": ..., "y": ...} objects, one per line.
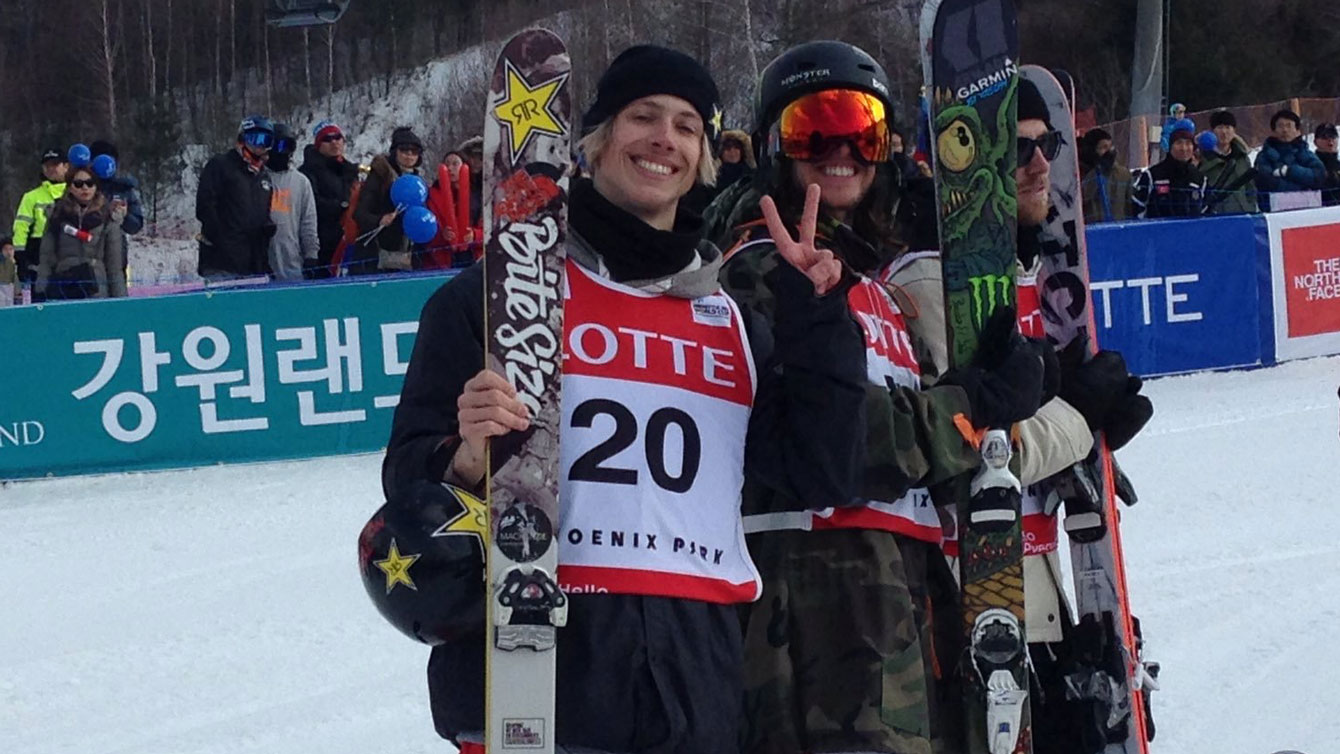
[
  {"x": 329, "y": 356},
  {"x": 1305, "y": 266}
]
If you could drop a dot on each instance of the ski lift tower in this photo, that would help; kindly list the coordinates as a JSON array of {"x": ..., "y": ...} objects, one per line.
[{"x": 283, "y": 13}]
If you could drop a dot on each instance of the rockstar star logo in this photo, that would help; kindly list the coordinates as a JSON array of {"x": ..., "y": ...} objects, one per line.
[
  {"x": 472, "y": 521},
  {"x": 396, "y": 568},
  {"x": 526, "y": 110}
]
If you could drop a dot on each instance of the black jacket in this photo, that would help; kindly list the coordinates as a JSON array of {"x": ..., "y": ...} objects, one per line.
[
  {"x": 645, "y": 674},
  {"x": 1170, "y": 189},
  {"x": 1330, "y": 193},
  {"x": 233, "y": 207},
  {"x": 332, "y": 181},
  {"x": 374, "y": 201}
]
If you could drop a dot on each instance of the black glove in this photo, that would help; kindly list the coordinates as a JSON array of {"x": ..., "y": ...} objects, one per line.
[
  {"x": 1093, "y": 387},
  {"x": 1006, "y": 383},
  {"x": 1128, "y": 415}
]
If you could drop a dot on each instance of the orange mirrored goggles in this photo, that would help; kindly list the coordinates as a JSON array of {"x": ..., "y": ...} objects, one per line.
[{"x": 820, "y": 122}]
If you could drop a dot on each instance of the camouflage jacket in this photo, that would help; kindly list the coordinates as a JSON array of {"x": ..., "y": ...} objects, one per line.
[{"x": 909, "y": 436}]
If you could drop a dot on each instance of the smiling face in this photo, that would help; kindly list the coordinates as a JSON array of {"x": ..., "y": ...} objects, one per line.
[
  {"x": 650, "y": 158},
  {"x": 1033, "y": 178},
  {"x": 842, "y": 178},
  {"x": 1182, "y": 149}
]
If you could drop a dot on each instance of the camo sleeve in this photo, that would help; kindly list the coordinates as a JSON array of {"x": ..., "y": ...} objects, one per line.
[{"x": 908, "y": 438}]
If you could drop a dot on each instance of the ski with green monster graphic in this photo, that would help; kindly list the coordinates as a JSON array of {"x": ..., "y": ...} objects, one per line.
[{"x": 969, "y": 50}]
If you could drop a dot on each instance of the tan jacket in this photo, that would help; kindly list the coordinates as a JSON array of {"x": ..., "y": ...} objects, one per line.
[{"x": 1056, "y": 438}]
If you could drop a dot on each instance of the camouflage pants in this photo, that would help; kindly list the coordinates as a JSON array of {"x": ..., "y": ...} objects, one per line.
[{"x": 833, "y": 654}]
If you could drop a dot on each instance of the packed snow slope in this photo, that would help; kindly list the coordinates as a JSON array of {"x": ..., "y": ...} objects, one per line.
[{"x": 219, "y": 611}]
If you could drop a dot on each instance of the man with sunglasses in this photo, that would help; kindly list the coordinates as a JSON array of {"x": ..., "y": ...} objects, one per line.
[
  {"x": 333, "y": 178},
  {"x": 232, "y": 204},
  {"x": 1086, "y": 397}
]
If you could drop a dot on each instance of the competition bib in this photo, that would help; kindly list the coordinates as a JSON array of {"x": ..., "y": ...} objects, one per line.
[
  {"x": 657, "y": 393},
  {"x": 890, "y": 361}
]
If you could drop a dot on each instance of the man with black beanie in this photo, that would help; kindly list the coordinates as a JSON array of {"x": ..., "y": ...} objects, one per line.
[
  {"x": 1175, "y": 186},
  {"x": 650, "y": 659},
  {"x": 1105, "y": 396},
  {"x": 1228, "y": 169},
  {"x": 1326, "y": 139},
  {"x": 1104, "y": 183}
]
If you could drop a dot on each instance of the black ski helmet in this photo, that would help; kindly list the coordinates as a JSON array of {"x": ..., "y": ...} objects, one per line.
[
  {"x": 286, "y": 139},
  {"x": 812, "y": 67},
  {"x": 421, "y": 556}
]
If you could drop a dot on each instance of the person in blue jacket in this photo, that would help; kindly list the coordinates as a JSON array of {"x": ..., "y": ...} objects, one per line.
[
  {"x": 1176, "y": 114},
  {"x": 1285, "y": 162}
]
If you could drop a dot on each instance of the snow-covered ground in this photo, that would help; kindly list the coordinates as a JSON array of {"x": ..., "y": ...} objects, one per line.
[{"x": 220, "y": 610}]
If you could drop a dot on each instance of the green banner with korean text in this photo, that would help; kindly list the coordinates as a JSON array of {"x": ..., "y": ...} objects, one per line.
[{"x": 209, "y": 377}]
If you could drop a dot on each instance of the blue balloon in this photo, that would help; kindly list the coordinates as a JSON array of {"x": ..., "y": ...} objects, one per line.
[
  {"x": 80, "y": 155},
  {"x": 104, "y": 166},
  {"x": 420, "y": 224},
  {"x": 409, "y": 190},
  {"x": 1207, "y": 141}
]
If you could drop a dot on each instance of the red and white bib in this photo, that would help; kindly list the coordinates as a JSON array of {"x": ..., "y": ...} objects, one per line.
[
  {"x": 657, "y": 393},
  {"x": 890, "y": 361}
]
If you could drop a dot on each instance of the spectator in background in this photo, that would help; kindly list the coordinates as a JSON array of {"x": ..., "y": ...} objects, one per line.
[
  {"x": 1104, "y": 184},
  {"x": 233, "y": 206},
  {"x": 1228, "y": 169},
  {"x": 1327, "y": 139},
  {"x": 473, "y": 149},
  {"x": 332, "y": 178},
  {"x": 9, "y": 273},
  {"x": 295, "y": 244},
  {"x": 83, "y": 255},
  {"x": 30, "y": 221},
  {"x": 737, "y": 159},
  {"x": 1176, "y": 113},
  {"x": 386, "y": 248},
  {"x": 121, "y": 189},
  {"x": 1285, "y": 163},
  {"x": 1174, "y": 187}
]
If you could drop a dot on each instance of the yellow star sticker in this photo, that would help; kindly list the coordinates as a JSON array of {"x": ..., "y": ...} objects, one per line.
[
  {"x": 716, "y": 119},
  {"x": 396, "y": 568},
  {"x": 472, "y": 521},
  {"x": 525, "y": 111}
]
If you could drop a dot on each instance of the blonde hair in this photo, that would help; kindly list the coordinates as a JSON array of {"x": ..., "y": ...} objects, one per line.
[{"x": 593, "y": 147}]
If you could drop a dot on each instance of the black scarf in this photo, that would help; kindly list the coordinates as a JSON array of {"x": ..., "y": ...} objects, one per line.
[
  {"x": 630, "y": 248},
  {"x": 1029, "y": 245}
]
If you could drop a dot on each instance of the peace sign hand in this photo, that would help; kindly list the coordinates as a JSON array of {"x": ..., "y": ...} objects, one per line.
[{"x": 819, "y": 265}]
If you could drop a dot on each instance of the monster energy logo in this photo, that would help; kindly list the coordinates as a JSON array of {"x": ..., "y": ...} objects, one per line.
[{"x": 984, "y": 292}]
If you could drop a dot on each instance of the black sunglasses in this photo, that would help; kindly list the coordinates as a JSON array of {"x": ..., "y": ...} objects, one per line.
[
  {"x": 83, "y": 184},
  {"x": 1049, "y": 143}
]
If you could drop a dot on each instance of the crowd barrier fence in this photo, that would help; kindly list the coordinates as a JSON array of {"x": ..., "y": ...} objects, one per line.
[{"x": 298, "y": 371}]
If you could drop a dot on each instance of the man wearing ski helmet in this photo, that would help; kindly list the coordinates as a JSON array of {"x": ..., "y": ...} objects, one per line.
[
  {"x": 232, "y": 204},
  {"x": 650, "y": 659},
  {"x": 1099, "y": 394},
  {"x": 838, "y": 649}
]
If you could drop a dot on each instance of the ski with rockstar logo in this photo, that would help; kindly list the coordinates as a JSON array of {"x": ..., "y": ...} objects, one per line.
[
  {"x": 1111, "y": 684},
  {"x": 527, "y": 134},
  {"x": 969, "y": 49}
]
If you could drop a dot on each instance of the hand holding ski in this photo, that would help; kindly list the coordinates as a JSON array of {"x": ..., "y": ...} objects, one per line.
[
  {"x": 819, "y": 265},
  {"x": 488, "y": 408}
]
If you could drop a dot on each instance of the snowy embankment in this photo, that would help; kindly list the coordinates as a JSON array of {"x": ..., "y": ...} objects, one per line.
[{"x": 220, "y": 610}]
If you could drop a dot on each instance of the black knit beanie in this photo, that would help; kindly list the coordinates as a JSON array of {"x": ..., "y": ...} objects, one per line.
[
  {"x": 1031, "y": 104},
  {"x": 646, "y": 70},
  {"x": 1223, "y": 118},
  {"x": 404, "y": 136}
]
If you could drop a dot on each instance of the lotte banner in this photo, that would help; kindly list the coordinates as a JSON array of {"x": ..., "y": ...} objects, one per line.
[{"x": 1305, "y": 273}]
